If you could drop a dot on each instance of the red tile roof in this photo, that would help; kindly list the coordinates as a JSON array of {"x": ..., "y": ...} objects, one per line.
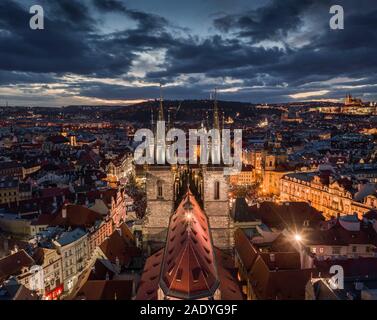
[
  {"x": 229, "y": 286},
  {"x": 106, "y": 290},
  {"x": 287, "y": 215},
  {"x": 44, "y": 219},
  {"x": 189, "y": 266},
  {"x": 337, "y": 235},
  {"x": 77, "y": 216},
  {"x": 272, "y": 275},
  {"x": 150, "y": 278},
  {"x": 245, "y": 250},
  {"x": 186, "y": 268},
  {"x": 117, "y": 247},
  {"x": 13, "y": 264},
  {"x": 278, "y": 285}
]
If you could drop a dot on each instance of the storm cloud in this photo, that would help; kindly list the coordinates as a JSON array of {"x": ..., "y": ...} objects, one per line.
[{"x": 104, "y": 51}]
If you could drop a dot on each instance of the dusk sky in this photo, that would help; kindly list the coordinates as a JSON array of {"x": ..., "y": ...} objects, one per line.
[{"x": 117, "y": 52}]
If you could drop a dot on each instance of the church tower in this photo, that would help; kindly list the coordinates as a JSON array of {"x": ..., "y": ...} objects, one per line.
[
  {"x": 216, "y": 205},
  {"x": 159, "y": 191},
  {"x": 164, "y": 184},
  {"x": 160, "y": 205},
  {"x": 215, "y": 195}
]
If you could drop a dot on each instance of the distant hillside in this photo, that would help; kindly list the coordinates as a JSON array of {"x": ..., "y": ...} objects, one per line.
[{"x": 193, "y": 110}]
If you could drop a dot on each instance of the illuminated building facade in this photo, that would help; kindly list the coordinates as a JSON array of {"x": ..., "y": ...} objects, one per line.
[{"x": 332, "y": 197}]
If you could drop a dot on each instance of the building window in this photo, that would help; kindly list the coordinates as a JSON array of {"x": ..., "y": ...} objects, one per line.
[
  {"x": 217, "y": 190},
  {"x": 354, "y": 249},
  {"x": 159, "y": 189},
  {"x": 196, "y": 273},
  {"x": 336, "y": 250},
  {"x": 179, "y": 275},
  {"x": 314, "y": 250}
]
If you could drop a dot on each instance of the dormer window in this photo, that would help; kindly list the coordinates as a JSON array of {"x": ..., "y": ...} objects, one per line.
[{"x": 179, "y": 275}]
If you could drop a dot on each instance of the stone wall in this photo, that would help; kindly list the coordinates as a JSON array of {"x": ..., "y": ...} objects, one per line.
[
  {"x": 159, "y": 209},
  {"x": 217, "y": 210}
]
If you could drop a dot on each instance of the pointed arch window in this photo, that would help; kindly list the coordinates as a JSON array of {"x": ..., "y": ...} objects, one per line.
[
  {"x": 216, "y": 194},
  {"x": 159, "y": 189}
]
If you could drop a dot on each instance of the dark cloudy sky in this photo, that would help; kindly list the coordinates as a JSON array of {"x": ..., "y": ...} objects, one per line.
[{"x": 118, "y": 51}]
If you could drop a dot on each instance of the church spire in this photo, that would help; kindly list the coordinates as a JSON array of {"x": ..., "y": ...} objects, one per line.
[
  {"x": 161, "y": 110},
  {"x": 216, "y": 122},
  {"x": 152, "y": 119},
  {"x": 168, "y": 123}
]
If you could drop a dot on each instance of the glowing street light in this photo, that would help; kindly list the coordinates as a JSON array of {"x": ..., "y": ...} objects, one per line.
[{"x": 298, "y": 237}]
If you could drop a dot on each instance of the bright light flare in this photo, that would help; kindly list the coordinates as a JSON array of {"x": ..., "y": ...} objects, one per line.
[
  {"x": 188, "y": 216},
  {"x": 298, "y": 237}
]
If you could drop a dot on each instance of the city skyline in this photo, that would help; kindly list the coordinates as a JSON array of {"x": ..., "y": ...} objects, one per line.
[
  {"x": 118, "y": 52},
  {"x": 209, "y": 151}
]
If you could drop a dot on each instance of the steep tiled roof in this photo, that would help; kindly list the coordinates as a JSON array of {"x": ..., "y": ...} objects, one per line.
[
  {"x": 287, "y": 215},
  {"x": 189, "y": 267},
  {"x": 245, "y": 250},
  {"x": 106, "y": 290},
  {"x": 272, "y": 275},
  {"x": 281, "y": 285},
  {"x": 13, "y": 264},
  {"x": 229, "y": 286},
  {"x": 127, "y": 234},
  {"x": 101, "y": 269},
  {"x": 117, "y": 247},
  {"x": 12, "y": 290},
  {"x": 150, "y": 278},
  {"x": 77, "y": 216},
  {"x": 338, "y": 235}
]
